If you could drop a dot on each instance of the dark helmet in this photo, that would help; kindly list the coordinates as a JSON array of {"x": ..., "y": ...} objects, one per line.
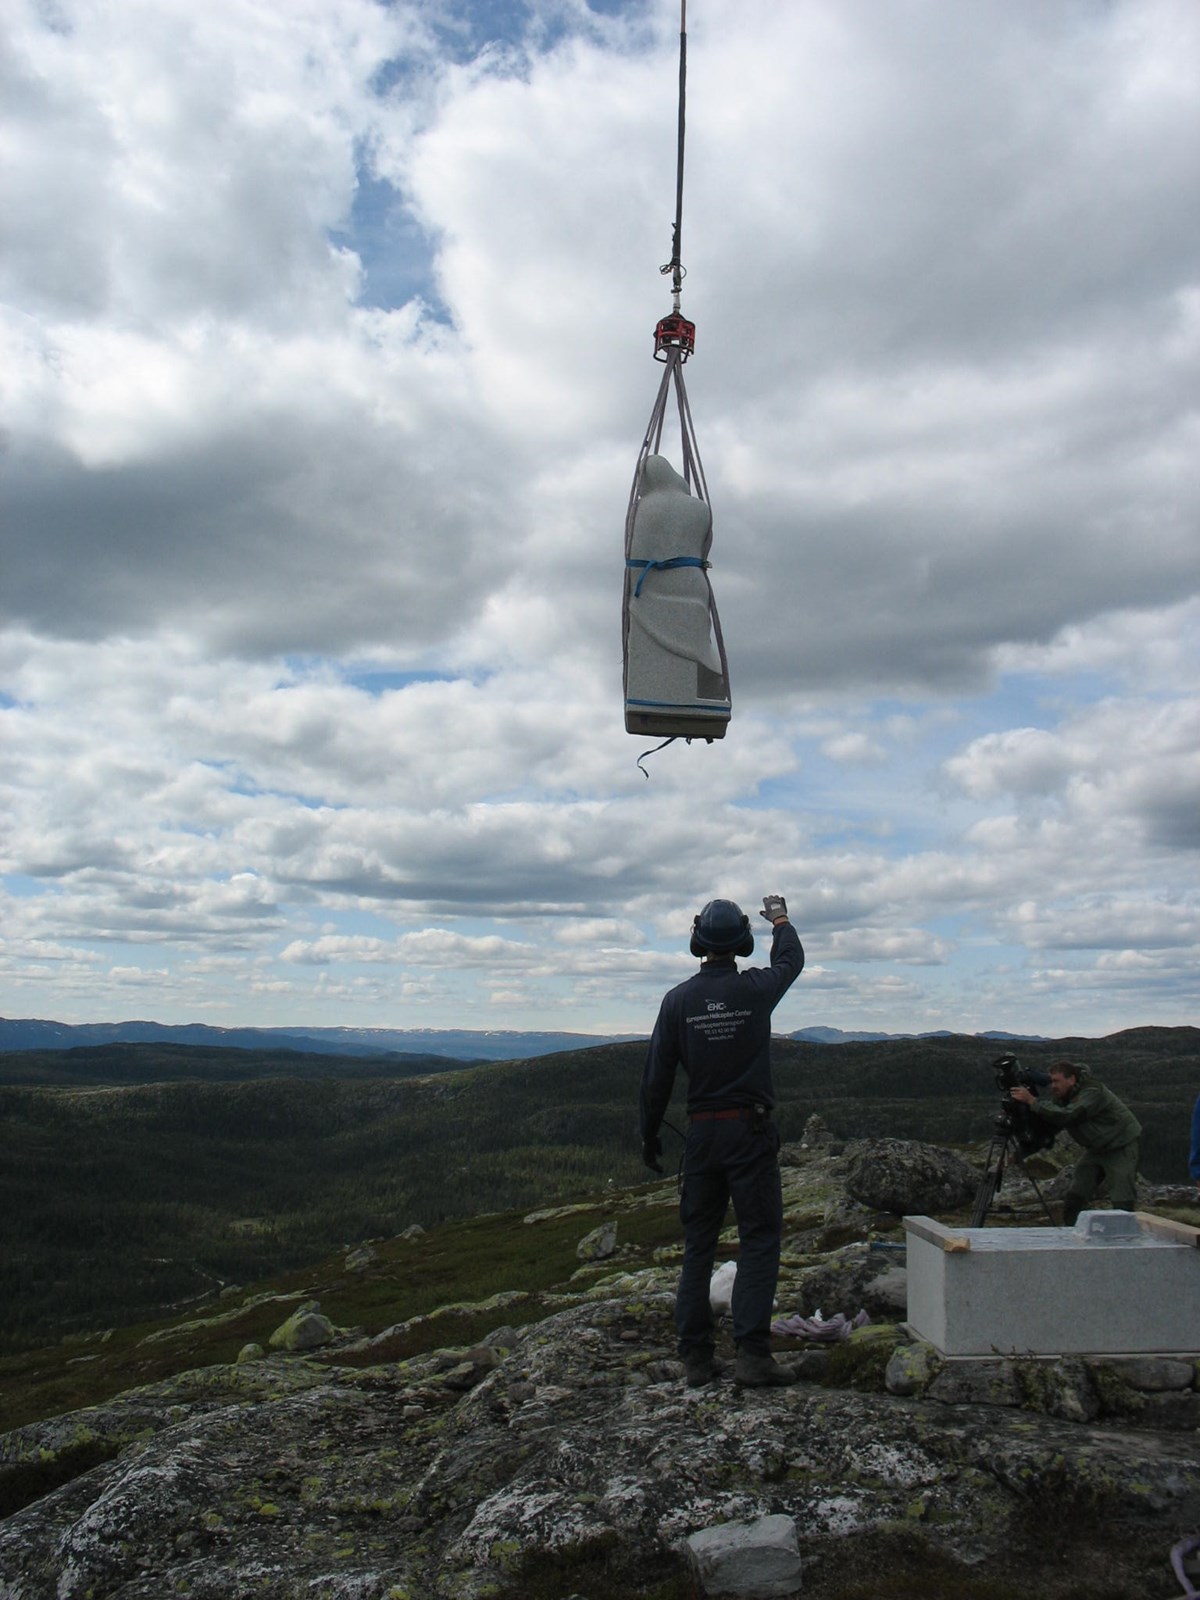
[{"x": 722, "y": 929}]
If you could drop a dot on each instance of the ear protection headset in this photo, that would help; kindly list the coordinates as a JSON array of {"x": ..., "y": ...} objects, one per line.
[{"x": 722, "y": 928}]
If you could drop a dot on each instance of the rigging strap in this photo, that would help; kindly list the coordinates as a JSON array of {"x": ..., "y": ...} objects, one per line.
[
  {"x": 654, "y": 752},
  {"x": 664, "y": 566},
  {"x": 679, "y": 706}
]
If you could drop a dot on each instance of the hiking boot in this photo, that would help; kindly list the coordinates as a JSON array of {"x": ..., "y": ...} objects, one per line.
[
  {"x": 701, "y": 1367},
  {"x": 755, "y": 1371}
]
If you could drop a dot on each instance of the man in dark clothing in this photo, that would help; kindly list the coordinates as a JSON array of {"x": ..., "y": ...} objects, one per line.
[
  {"x": 717, "y": 1026},
  {"x": 1105, "y": 1127}
]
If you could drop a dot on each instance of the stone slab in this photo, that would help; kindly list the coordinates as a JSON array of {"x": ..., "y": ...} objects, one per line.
[
  {"x": 756, "y": 1560},
  {"x": 1118, "y": 1283}
]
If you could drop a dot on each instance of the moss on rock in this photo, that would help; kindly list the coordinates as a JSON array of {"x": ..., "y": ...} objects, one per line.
[{"x": 861, "y": 1361}]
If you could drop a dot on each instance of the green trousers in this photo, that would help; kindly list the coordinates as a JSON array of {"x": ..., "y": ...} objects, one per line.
[{"x": 1114, "y": 1170}]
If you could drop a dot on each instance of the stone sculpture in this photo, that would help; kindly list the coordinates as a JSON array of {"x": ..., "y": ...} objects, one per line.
[{"x": 675, "y": 676}]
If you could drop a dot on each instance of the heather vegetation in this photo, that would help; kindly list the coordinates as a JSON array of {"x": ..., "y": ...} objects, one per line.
[{"x": 122, "y": 1197}]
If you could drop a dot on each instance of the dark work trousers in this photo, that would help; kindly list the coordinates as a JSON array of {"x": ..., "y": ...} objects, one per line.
[
  {"x": 1115, "y": 1170},
  {"x": 723, "y": 1161}
]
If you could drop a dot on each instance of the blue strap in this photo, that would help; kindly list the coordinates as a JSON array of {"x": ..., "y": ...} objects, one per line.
[{"x": 664, "y": 566}]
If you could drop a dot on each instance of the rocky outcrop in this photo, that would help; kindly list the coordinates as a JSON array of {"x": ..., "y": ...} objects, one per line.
[
  {"x": 908, "y": 1178},
  {"x": 816, "y": 1134},
  {"x": 458, "y": 1473},
  {"x": 567, "y": 1457}
]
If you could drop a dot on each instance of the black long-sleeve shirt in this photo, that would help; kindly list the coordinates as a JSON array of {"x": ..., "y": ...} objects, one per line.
[{"x": 717, "y": 1026}]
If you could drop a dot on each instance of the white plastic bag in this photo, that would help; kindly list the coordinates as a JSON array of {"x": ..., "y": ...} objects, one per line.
[{"x": 720, "y": 1288}]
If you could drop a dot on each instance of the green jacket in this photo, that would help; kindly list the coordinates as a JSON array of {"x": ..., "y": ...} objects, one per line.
[{"x": 1093, "y": 1116}]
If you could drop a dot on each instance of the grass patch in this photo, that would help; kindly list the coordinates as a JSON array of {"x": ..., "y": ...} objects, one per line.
[
  {"x": 600, "y": 1570},
  {"x": 457, "y": 1264},
  {"x": 23, "y": 1482},
  {"x": 899, "y": 1563}
]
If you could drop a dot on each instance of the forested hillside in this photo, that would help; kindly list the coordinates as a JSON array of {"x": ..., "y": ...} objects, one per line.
[
  {"x": 111, "y": 1065},
  {"x": 120, "y": 1198}
]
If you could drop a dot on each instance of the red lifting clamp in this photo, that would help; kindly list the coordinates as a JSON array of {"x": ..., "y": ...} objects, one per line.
[{"x": 674, "y": 333}]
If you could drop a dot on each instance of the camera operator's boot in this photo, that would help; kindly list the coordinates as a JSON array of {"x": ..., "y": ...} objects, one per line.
[{"x": 760, "y": 1371}]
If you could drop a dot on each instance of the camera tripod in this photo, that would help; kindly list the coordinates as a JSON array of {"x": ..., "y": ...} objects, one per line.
[{"x": 1004, "y": 1148}]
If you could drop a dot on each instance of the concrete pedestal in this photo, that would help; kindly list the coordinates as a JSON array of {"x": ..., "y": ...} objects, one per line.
[{"x": 1118, "y": 1283}]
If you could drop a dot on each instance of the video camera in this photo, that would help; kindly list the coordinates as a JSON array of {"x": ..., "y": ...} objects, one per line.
[{"x": 1017, "y": 1121}]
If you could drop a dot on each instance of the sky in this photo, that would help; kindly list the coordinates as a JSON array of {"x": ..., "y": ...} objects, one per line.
[{"x": 325, "y": 358}]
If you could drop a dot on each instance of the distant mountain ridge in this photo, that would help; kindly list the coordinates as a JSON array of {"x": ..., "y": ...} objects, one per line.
[
  {"x": 838, "y": 1036},
  {"x": 460, "y": 1044}
]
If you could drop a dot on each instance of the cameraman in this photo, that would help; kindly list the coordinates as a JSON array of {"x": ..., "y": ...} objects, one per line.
[{"x": 1105, "y": 1127}]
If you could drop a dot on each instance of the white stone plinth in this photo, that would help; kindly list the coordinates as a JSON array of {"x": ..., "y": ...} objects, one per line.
[{"x": 1118, "y": 1283}]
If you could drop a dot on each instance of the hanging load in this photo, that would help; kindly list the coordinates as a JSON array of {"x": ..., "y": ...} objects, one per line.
[{"x": 676, "y": 672}]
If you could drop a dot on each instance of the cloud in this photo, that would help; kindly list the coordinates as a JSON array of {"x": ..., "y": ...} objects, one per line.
[
  {"x": 257, "y": 425},
  {"x": 903, "y": 946},
  {"x": 1132, "y": 930},
  {"x": 604, "y": 932},
  {"x": 1115, "y": 764},
  {"x": 852, "y": 748},
  {"x": 435, "y": 947},
  {"x": 324, "y": 359},
  {"x": 203, "y": 430}
]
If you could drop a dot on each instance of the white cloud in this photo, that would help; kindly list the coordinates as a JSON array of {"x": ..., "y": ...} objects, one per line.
[
  {"x": 852, "y": 748},
  {"x": 1021, "y": 760},
  {"x": 1133, "y": 931},
  {"x": 309, "y": 631},
  {"x": 901, "y": 946},
  {"x": 602, "y": 932},
  {"x": 435, "y": 947},
  {"x": 1115, "y": 764}
]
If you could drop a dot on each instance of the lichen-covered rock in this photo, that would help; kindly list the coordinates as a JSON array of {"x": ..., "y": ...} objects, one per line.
[
  {"x": 567, "y": 1455},
  {"x": 446, "y": 1475},
  {"x": 816, "y": 1134},
  {"x": 184, "y": 1332},
  {"x": 1150, "y": 1373},
  {"x": 305, "y": 1329},
  {"x": 599, "y": 1244},
  {"x": 887, "y": 1294},
  {"x": 751, "y": 1560},
  {"x": 986, "y": 1383},
  {"x": 1169, "y": 1412},
  {"x": 908, "y": 1178},
  {"x": 849, "y": 1280},
  {"x": 861, "y": 1360},
  {"x": 1061, "y": 1388},
  {"x": 912, "y": 1368}
]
